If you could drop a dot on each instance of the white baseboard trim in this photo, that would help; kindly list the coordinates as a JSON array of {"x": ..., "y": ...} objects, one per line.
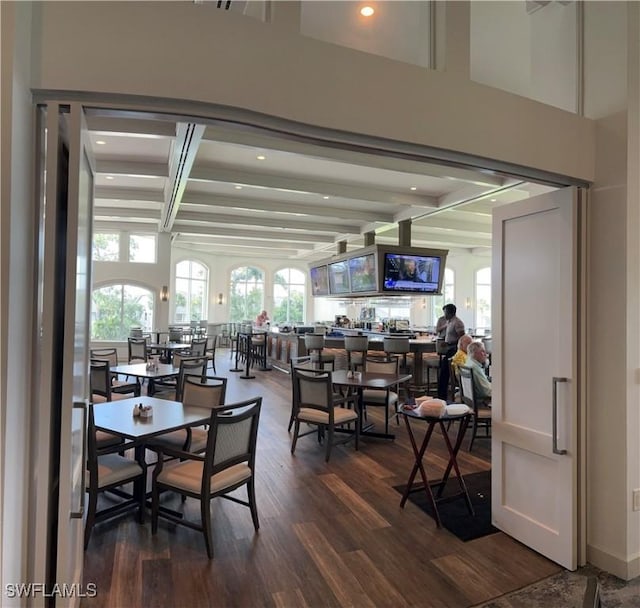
[{"x": 624, "y": 569}]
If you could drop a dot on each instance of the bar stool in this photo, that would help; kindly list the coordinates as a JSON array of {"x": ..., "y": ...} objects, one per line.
[
  {"x": 314, "y": 343},
  {"x": 397, "y": 346},
  {"x": 356, "y": 348}
]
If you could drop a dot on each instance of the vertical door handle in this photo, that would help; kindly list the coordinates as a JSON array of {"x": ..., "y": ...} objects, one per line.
[
  {"x": 554, "y": 415},
  {"x": 79, "y": 513}
]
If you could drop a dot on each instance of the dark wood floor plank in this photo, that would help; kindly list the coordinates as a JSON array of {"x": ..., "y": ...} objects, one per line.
[{"x": 340, "y": 581}]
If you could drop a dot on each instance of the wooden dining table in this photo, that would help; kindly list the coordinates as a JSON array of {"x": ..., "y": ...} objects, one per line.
[{"x": 361, "y": 380}]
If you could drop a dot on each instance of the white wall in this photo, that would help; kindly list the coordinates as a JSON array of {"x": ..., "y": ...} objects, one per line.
[
  {"x": 472, "y": 118},
  {"x": 17, "y": 245}
]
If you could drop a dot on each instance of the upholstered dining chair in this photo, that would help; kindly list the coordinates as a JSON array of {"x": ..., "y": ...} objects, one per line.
[
  {"x": 481, "y": 411},
  {"x": 314, "y": 404},
  {"x": 198, "y": 347},
  {"x": 100, "y": 378},
  {"x": 108, "y": 470},
  {"x": 383, "y": 397},
  {"x": 209, "y": 392},
  {"x": 339, "y": 398},
  {"x": 356, "y": 348},
  {"x": 227, "y": 464},
  {"x": 137, "y": 350},
  {"x": 188, "y": 366},
  {"x": 117, "y": 386},
  {"x": 314, "y": 343}
]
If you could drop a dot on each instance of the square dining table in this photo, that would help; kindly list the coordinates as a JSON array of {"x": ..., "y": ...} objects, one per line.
[
  {"x": 361, "y": 380},
  {"x": 140, "y": 371},
  {"x": 117, "y": 417}
]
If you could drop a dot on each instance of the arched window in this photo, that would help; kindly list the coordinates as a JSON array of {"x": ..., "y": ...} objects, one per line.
[
  {"x": 483, "y": 298},
  {"x": 448, "y": 295},
  {"x": 288, "y": 296},
  {"x": 190, "y": 301},
  {"x": 115, "y": 309},
  {"x": 246, "y": 293}
]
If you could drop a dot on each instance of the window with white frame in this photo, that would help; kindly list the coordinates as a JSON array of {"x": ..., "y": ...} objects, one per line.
[
  {"x": 288, "y": 296},
  {"x": 115, "y": 309},
  {"x": 447, "y": 297},
  {"x": 106, "y": 247},
  {"x": 483, "y": 298},
  {"x": 142, "y": 248},
  {"x": 246, "y": 298},
  {"x": 191, "y": 289}
]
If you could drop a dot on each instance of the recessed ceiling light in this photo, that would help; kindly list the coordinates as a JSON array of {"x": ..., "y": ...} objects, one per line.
[
  {"x": 413, "y": 188},
  {"x": 367, "y": 11},
  {"x": 100, "y": 142},
  {"x": 238, "y": 187},
  {"x": 261, "y": 157},
  {"x": 109, "y": 177},
  {"x": 493, "y": 200},
  {"x": 326, "y": 198}
]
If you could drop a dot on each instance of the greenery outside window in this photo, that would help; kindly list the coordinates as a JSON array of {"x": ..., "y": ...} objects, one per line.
[
  {"x": 246, "y": 293},
  {"x": 483, "y": 298},
  {"x": 448, "y": 296},
  {"x": 288, "y": 296},
  {"x": 106, "y": 247},
  {"x": 115, "y": 309},
  {"x": 142, "y": 248},
  {"x": 192, "y": 287}
]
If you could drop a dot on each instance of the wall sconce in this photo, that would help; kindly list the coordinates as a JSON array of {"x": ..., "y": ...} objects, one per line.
[
  {"x": 220, "y": 299},
  {"x": 164, "y": 294},
  {"x": 467, "y": 303}
]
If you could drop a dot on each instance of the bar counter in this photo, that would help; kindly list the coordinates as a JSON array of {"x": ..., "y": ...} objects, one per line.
[{"x": 281, "y": 347}]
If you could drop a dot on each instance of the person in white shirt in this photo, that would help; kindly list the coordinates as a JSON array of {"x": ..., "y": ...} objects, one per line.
[
  {"x": 476, "y": 360},
  {"x": 451, "y": 329}
]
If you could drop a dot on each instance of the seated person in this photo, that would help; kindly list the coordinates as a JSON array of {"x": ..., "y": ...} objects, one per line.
[
  {"x": 476, "y": 360},
  {"x": 262, "y": 318},
  {"x": 461, "y": 354}
]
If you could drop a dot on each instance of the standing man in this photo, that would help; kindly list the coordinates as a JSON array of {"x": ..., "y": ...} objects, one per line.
[{"x": 451, "y": 329}]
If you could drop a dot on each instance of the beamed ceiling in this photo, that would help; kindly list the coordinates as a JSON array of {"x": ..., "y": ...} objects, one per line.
[{"x": 239, "y": 191}]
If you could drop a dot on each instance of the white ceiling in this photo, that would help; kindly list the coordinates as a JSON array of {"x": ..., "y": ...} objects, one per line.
[{"x": 207, "y": 186}]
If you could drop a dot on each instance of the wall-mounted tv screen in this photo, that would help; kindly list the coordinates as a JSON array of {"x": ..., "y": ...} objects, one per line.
[
  {"x": 319, "y": 281},
  {"x": 362, "y": 272},
  {"x": 339, "y": 278},
  {"x": 412, "y": 273}
]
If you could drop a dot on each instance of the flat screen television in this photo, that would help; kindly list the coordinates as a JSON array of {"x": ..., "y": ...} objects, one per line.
[
  {"x": 339, "y": 278},
  {"x": 319, "y": 281},
  {"x": 363, "y": 274},
  {"x": 409, "y": 273}
]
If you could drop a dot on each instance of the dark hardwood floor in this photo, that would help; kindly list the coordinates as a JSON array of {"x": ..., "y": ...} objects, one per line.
[{"x": 330, "y": 534}]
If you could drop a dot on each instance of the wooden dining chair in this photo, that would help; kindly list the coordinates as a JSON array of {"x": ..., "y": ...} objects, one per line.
[
  {"x": 314, "y": 405},
  {"x": 481, "y": 411},
  {"x": 108, "y": 471},
  {"x": 356, "y": 348},
  {"x": 137, "y": 350},
  {"x": 209, "y": 392},
  {"x": 188, "y": 366},
  {"x": 117, "y": 386},
  {"x": 227, "y": 464},
  {"x": 382, "y": 397}
]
